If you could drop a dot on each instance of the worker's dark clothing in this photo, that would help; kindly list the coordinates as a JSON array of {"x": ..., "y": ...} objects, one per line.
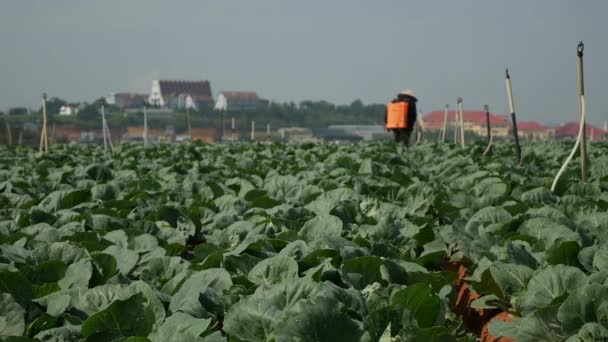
[{"x": 402, "y": 135}]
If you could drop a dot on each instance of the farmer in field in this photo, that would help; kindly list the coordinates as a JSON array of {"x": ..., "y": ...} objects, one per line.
[{"x": 400, "y": 116}]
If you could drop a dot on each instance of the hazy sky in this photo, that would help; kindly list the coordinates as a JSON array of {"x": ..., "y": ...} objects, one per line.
[{"x": 289, "y": 50}]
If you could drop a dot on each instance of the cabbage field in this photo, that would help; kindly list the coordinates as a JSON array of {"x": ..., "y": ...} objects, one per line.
[{"x": 271, "y": 242}]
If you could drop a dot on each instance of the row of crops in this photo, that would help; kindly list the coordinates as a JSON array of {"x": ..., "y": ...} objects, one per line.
[{"x": 249, "y": 242}]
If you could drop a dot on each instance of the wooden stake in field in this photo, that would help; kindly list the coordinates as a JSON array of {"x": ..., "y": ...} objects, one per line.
[
  {"x": 107, "y": 139},
  {"x": 444, "y": 128},
  {"x": 233, "y": 129},
  {"x": 513, "y": 118},
  {"x": 268, "y": 132},
  {"x": 460, "y": 114},
  {"x": 581, "y": 129},
  {"x": 44, "y": 141},
  {"x": 605, "y": 130},
  {"x": 189, "y": 123},
  {"x": 252, "y": 130},
  {"x": 145, "y": 132},
  {"x": 581, "y": 93},
  {"x": 489, "y": 128},
  {"x": 9, "y": 136},
  {"x": 456, "y": 124},
  {"x": 419, "y": 128}
]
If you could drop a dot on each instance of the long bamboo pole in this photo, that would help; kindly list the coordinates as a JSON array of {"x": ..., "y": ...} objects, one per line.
[
  {"x": 513, "y": 117},
  {"x": 581, "y": 93},
  {"x": 189, "y": 124}
]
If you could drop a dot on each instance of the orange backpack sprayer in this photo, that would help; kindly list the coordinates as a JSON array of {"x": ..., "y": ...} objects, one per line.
[{"x": 396, "y": 115}]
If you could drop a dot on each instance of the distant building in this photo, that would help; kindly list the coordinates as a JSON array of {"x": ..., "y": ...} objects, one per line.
[
  {"x": 127, "y": 100},
  {"x": 336, "y": 136},
  {"x": 180, "y": 95},
  {"x": 570, "y": 130},
  {"x": 297, "y": 135},
  {"x": 237, "y": 100},
  {"x": 474, "y": 122},
  {"x": 68, "y": 110},
  {"x": 533, "y": 130},
  {"x": 366, "y": 132}
]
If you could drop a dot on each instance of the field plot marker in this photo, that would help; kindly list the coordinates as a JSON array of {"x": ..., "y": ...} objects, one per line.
[
  {"x": 488, "y": 150},
  {"x": 513, "y": 118},
  {"x": 460, "y": 114},
  {"x": 44, "y": 143},
  {"x": 581, "y": 128}
]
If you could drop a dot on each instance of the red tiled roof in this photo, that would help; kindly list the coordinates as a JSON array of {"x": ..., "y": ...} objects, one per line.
[
  {"x": 531, "y": 126},
  {"x": 434, "y": 119},
  {"x": 199, "y": 90},
  {"x": 570, "y": 129},
  {"x": 240, "y": 95}
]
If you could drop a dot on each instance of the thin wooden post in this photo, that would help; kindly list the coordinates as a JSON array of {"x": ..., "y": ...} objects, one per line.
[
  {"x": 268, "y": 132},
  {"x": 233, "y": 129},
  {"x": 44, "y": 144},
  {"x": 145, "y": 132},
  {"x": 456, "y": 124},
  {"x": 221, "y": 125},
  {"x": 460, "y": 113},
  {"x": 9, "y": 136},
  {"x": 252, "y": 130},
  {"x": 513, "y": 118},
  {"x": 489, "y": 128},
  {"x": 189, "y": 124},
  {"x": 445, "y": 124},
  {"x": 605, "y": 130},
  {"x": 581, "y": 93},
  {"x": 103, "y": 129}
]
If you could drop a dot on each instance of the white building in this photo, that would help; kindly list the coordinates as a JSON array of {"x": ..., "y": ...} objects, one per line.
[{"x": 68, "y": 110}]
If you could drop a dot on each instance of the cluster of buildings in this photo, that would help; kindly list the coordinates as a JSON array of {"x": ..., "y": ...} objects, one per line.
[
  {"x": 501, "y": 126},
  {"x": 183, "y": 95}
]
